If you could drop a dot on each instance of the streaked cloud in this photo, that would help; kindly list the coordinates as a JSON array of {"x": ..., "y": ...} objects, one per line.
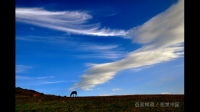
[
  {"x": 33, "y": 78},
  {"x": 106, "y": 54},
  {"x": 101, "y": 51},
  {"x": 104, "y": 95},
  {"x": 101, "y": 73},
  {"x": 50, "y": 39},
  {"x": 116, "y": 89},
  {"x": 93, "y": 50},
  {"x": 165, "y": 29},
  {"x": 112, "y": 52},
  {"x": 22, "y": 77},
  {"x": 165, "y": 93},
  {"x": 109, "y": 94},
  {"x": 38, "y": 81},
  {"x": 46, "y": 82},
  {"x": 87, "y": 46},
  {"x": 21, "y": 68},
  {"x": 67, "y": 21},
  {"x": 53, "y": 82},
  {"x": 45, "y": 77},
  {"x": 161, "y": 36}
]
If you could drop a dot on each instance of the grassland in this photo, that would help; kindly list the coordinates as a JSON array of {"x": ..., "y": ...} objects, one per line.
[{"x": 123, "y": 103}]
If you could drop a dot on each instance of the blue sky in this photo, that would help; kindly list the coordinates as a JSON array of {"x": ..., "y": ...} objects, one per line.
[{"x": 100, "y": 48}]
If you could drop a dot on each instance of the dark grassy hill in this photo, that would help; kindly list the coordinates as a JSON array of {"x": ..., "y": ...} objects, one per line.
[
  {"x": 19, "y": 92},
  {"x": 122, "y": 103}
]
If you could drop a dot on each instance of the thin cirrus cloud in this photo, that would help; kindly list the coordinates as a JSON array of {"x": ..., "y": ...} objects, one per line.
[
  {"x": 102, "y": 51},
  {"x": 70, "y": 22},
  {"x": 32, "y": 78},
  {"x": 22, "y": 77},
  {"x": 37, "y": 80},
  {"x": 21, "y": 68},
  {"x": 45, "y": 77},
  {"x": 97, "y": 47},
  {"x": 165, "y": 93},
  {"x": 116, "y": 89},
  {"x": 113, "y": 55},
  {"x": 67, "y": 21},
  {"x": 162, "y": 36},
  {"x": 45, "y": 82},
  {"x": 109, "y": 94},
  {"x": 95, "y": 51},
  {"x": 48, "y": 82}
]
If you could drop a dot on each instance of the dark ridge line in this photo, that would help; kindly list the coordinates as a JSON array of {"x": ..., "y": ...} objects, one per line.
[{"x": 99, "y": 96}]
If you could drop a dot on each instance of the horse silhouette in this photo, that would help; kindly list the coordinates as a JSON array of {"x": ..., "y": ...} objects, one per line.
[{"x": 73, "y": 92}]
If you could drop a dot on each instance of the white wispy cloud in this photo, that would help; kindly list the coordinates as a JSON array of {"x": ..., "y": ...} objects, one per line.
[
  {"x": 53, "y": 82},
  {"x": 165, "y": 93},
  {"x": 105, "y": 55},
  {"x": 161, "y": 35},
  {"x": 46, "y": 82},
  {"x": 104, "y": 95},
  {"x": 45, "y": 77},
  {"x": 101, "y": 51},
  {"x": 21, "y": 68},
  {"x": 33, "y": 78},
  {"x": 50, "y": 39},
  {"x": 93, "y": 50},
  {"x": 67, "y": 21},
  {"x": 116, "y": 89},
  {"x": 22, "y": 77},
  {"x": 109, "y": 94},
  {"x": 87, "y": 46}
]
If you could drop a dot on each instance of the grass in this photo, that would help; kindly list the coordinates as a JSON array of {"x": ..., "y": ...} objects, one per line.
[
  {"x": 109, "y": 103},
  {"x": 125, "y": 103}
]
